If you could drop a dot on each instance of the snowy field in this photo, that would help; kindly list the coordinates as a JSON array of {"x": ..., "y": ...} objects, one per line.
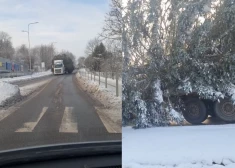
[
  {"x": 210, "y": 146},
  {"x": 27, "y": 77}
]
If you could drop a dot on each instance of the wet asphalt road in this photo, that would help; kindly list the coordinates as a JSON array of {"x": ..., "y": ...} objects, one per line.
[{"x": 59, "y": 113}]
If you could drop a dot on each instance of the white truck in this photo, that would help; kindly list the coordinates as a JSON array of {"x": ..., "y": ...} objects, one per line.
[{"x": 58, "y": 67}]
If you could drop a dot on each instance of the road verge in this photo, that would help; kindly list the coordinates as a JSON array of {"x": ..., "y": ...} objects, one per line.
[
  {"x": 110, "y": 110},
  {"x": 8, "y": 93},
  {"x": 12, "y": 94}
]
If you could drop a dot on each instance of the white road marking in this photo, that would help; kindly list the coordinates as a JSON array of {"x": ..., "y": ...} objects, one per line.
[
  {"x": 110, "y": 127},
  {"x": 29, "y": 126},
  {"x": 68, "y": 124}
]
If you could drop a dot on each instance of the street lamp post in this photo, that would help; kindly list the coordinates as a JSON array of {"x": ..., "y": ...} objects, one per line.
[
  {"x": 30, "y": 63},
  {"x": 52, "y": 48},
  {"x": 53, "y": 43}
]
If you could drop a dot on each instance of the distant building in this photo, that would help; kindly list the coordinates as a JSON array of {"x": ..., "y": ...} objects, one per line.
[{"x": 7, "y": 65}]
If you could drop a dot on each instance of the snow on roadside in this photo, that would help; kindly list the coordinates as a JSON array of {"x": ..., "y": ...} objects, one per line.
[
  {"x": 27, "y": 77},
  {"x": 158, "y": 93},
  {"x": 28, "y": 89},
  {"x": 179, "y": 147},
  {"x": 176, "y": 116},
  {"x": 10, "y": 93},
  {"x": 7, "y": 91},
  {"x": 183, "y": 165},
  {"x": 231, "y": 92},
  {"x": 110, "y": 81},
  {"x": 112, "y": 104}
]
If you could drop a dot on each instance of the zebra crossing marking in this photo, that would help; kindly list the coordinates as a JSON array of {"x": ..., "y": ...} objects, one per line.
[
  {"x": 29, "y": 126},
  {"x": 67, "y": 123}
]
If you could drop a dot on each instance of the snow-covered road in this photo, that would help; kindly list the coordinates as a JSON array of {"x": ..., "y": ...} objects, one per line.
[{"x": 179, "y": 147}]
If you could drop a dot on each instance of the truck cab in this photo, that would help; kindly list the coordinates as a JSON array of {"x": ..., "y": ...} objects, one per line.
[{"x": 58, "y": 67}]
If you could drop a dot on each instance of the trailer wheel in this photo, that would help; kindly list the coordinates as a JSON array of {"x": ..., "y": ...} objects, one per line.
[
  {"x": 225, "y": 110},
  {"x": 195, "y": 111}
]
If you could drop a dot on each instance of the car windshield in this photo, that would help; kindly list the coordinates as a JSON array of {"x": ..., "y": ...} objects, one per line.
[
  {"x": 43, "y": 104},
  {"x": 58, "y": 65}
]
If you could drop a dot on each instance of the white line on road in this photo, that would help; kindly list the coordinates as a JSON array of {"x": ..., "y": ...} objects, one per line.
[
  {"x": 29, "y": 126},
  {"x": 109, "y": 125},
  {"x": 67, "y": 124}
]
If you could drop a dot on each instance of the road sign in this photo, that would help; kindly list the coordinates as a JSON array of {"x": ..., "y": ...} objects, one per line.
[{"x": 43, "y": 65}]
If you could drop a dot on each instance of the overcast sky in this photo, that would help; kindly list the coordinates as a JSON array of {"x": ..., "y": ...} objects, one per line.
[{"x": 70, "y": 23}]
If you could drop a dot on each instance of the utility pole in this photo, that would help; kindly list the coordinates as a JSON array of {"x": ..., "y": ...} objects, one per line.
[
  {"x": 30, "y": 61},
  {"x": 52, "y": 47}
]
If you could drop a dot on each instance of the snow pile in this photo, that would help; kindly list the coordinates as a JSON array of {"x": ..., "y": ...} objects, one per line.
[
  {"x": 150, "y": 109},
  {"x": 231, "y": 92},
  {"x": 183, "y": 165},
  {"x": 112, "y": 105},
  {"x": 207, "y": 92},
  {"x": 106, "y": 96},
  {"x": 186, "y": 87},
  {"x": 176, "y": 116},
  {"x": 179, "y": 147},
  {"x": 27, "y": 77},
  {"x": 158, "y": 92},
  {"x": 110, "y": 82},
  {"x": 7, "y": 92},
  {"x": 10, "y": 93},
  {"x": 28, "y": 89}
]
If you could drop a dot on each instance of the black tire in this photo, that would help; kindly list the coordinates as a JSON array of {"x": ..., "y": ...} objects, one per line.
[
  {"x": 195, "y": 111},
  {"x": 225, "y": 110}
]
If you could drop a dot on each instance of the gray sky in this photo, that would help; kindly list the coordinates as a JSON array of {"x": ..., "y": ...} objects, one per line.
[{"x": 71, "y": 23}]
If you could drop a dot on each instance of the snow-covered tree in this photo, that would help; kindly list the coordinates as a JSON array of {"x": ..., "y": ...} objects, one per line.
[
  {"x": 6, "y": 47},
  {"x": 172, "y": 48},
  {"x": 112, "y": 28}
]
